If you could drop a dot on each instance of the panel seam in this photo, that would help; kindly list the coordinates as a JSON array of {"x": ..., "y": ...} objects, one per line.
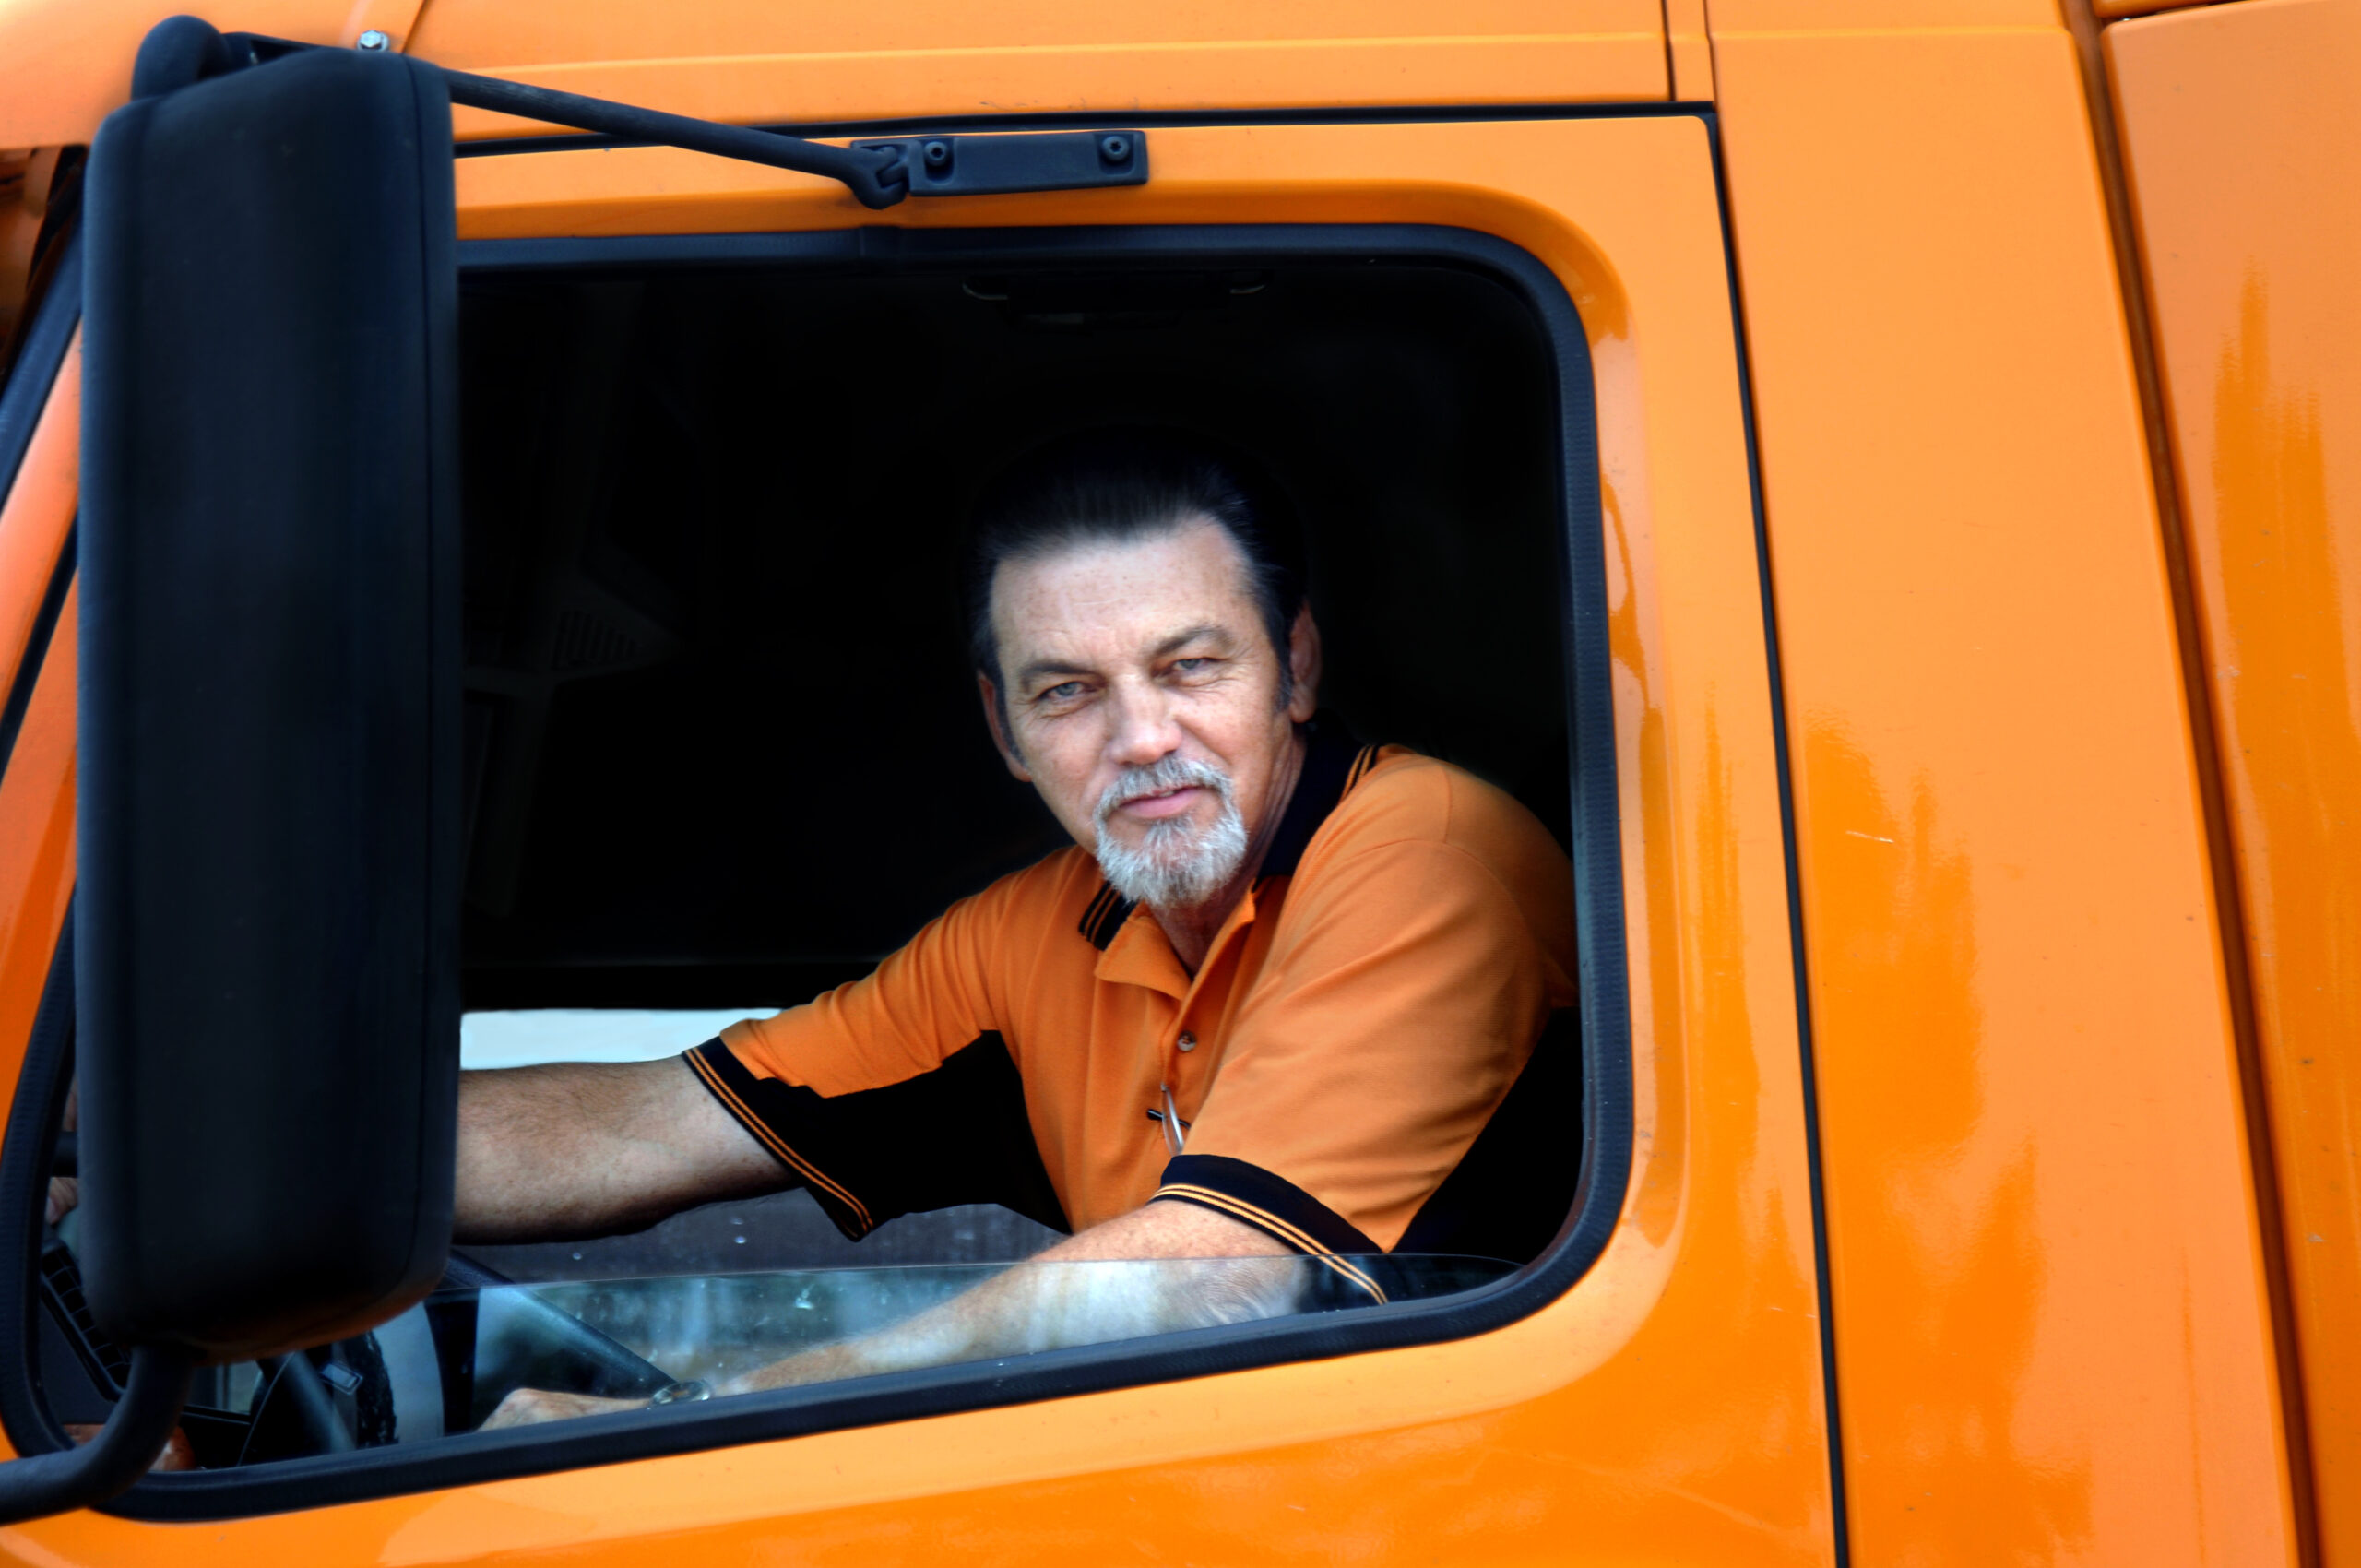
[
  {"x": 2138, "y": 322},
  {"x": 1806, "y": 1045}
]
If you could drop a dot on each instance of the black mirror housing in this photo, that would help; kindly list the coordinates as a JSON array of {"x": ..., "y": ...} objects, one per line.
[{"x": 266, "y": 913}]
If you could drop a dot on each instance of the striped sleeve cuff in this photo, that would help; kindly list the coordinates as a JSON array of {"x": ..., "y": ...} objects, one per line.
[
  {"x": 748, "y": 1099},
  {"x": 1279, "y": 1208}
]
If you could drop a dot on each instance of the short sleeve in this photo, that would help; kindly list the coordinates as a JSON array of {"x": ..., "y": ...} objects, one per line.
[
  {"x": 896, "y": 1092},
  {"x": 926, "y": 1001},
  {"x": 1403, "y": 996}
]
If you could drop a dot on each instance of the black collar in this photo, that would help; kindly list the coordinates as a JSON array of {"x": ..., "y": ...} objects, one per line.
[{"x": 1329, "y": 755}]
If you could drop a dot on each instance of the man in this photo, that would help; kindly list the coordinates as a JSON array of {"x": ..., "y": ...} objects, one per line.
[{"x": 1260, "y": 1014}]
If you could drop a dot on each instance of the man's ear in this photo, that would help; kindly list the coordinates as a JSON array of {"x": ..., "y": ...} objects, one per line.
[
  {"x": 1303, "y": 663},
  {"x": 993, "y": 715}
]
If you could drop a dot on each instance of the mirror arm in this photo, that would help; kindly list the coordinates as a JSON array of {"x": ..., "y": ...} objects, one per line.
[
  {"x": 876, "y": 177},
  {"x": 137, "y": 1431}
]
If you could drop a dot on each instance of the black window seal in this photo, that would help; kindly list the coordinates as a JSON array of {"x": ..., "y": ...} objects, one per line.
[
  {"x": 1597, "y": 853},
  {"x": 36, "y": 649}
]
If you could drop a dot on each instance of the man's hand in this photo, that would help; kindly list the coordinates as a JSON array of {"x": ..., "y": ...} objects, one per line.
[{"x": 530, "y": 1406}]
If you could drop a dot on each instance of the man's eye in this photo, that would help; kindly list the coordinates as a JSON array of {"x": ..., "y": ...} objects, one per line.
[
  {"x": 1065, "y": 691},
  {"x": 1192, "y": 666}
]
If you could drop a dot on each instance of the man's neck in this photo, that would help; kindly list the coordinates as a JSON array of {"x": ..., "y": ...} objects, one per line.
[{"x": 1191, "y": 929}]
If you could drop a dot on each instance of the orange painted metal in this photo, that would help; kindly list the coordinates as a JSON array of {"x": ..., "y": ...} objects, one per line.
[
  {"x": 2053, "y": 1333},
  {"x": 757, "y": 61},
  {"x": 2242, "y": 141},
  {"x": 63, "y": 64},
  {"x": 37, "y": 788},
  {"x": 36, "y": 848},
  {"x": 1791, "y": 18},
  {"x": 1670, "y": 1407},
  {"x": 1688, "y": 50}
]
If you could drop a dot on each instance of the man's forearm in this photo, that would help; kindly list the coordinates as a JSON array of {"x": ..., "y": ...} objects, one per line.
[
  {"x": 1157, "y": 1270},
  {"x": 588, "y": 1150},
  {"x": 1166, "y": 1266}
]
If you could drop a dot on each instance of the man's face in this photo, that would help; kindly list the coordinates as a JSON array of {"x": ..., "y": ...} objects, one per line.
[{"x": 1144, "y": 699}]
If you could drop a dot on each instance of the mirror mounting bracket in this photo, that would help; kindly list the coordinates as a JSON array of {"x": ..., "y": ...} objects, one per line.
[
  {"x": 879, "y": 173},
  {"x": 1005, "y": 165},
  {"x": 875, "y": 178}
]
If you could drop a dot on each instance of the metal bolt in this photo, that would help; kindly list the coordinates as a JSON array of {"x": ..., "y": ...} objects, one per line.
[
  {"x": 938, "y": 154},
  {"x": 373, "y": 40},
  {"x": 1114, "y": 150}
]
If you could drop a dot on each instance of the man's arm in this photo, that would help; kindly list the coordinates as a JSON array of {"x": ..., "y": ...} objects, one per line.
[
  {"x": 588, "y": 1150},
  {"x": 1159, "y": 1268},
  {"x": 1162, "y": 1267}
]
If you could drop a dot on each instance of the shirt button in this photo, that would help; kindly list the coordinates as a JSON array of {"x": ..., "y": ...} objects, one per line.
[{"x": 1186, "y": 1042}]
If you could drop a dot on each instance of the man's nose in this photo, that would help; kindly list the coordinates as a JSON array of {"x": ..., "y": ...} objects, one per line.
[{"x": 1145, "y": 730}]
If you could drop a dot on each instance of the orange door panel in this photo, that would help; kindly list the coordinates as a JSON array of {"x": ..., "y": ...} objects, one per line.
[
  {"x": 2242, "y": 140},
  {"x": 1671, "y": 1405},
  {"x": 2053, "y": 1340}
]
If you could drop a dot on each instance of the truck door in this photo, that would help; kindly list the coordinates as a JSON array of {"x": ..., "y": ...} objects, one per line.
[{"x": 1652, "y": 1385}]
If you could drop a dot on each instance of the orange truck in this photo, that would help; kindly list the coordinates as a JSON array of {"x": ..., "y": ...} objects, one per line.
[{"x": 476, "y": 480}]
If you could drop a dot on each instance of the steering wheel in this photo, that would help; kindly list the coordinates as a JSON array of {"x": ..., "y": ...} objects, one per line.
[{"x": 403, "y": 1377}]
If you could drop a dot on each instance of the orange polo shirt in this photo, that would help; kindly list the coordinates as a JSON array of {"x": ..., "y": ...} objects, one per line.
[{"x": 1359, "y": 1020}]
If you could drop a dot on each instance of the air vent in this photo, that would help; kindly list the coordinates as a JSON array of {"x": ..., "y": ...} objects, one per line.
[
  {"x": 61, "y": 1282},
  {"x": 589, "y": 642}
]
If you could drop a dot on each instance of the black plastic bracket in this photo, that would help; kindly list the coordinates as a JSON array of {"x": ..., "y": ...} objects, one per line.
[{"x": 1003, "y": 165}]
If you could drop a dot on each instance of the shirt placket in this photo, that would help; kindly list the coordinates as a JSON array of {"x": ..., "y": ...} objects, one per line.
[{"x": 1183, "y": 1044}]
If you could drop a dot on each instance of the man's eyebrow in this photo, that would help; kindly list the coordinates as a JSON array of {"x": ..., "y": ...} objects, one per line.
[
  {"x": 1041, "y": 668},
  {"x": 1180, "y": 640}
]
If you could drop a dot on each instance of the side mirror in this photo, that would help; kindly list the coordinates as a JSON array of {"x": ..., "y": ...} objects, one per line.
[{"x": 265, "y": 921}]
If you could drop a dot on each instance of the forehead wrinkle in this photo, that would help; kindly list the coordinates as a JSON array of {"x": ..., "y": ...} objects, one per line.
[{"x": 1087, "y": 592}]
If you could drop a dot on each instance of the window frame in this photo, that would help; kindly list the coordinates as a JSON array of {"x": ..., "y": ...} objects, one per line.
[{"x": 1597, "y": 854}]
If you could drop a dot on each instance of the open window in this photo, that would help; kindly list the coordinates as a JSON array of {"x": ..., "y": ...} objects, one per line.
[
  {"x": 724, "y": 749},
  {"x": 716, "y": 700}
]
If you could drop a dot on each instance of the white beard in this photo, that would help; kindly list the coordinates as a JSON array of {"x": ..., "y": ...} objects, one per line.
[{"x": 1174, "y": 865}]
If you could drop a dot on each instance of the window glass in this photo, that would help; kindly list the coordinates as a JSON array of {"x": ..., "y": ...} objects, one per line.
[{"x": 447, "y": 1366}]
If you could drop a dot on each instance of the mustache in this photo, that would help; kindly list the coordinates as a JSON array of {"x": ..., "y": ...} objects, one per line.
[{"x": 1160, "y": 777}]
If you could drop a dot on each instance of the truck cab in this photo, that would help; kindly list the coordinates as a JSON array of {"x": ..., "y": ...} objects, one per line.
[{"x": 479, "y": 485}]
